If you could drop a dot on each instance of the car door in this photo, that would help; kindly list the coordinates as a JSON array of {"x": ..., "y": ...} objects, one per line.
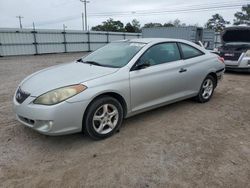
[
  {"x": 158, "y": 81},
  {"x": 194, "y": 66}
]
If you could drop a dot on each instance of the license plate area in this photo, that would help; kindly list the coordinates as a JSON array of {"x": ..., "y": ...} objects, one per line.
[{"x": 229, "y": 54}]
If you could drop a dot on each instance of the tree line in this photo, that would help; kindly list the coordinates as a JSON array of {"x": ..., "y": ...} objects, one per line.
[{"x": 216, "y": 22}]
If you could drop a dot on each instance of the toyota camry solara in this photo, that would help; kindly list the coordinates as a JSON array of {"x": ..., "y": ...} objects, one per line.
[{"x": 95, "y": 93}]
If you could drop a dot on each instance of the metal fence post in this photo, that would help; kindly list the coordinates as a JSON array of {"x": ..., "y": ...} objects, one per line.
[
  {"x": 35, "y": 41},
  {"x": 107, "y": 37},
  {"x": 124, "y": 36},
  {"x": 64, "y": 41},
  {"x": 1, "y": 55},
  {"x": 89, "y": 49}
]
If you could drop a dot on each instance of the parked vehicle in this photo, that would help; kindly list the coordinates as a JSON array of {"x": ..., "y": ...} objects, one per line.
[
  {"x": 190, "y": 33},
  {"x": 199, "y": 43},
  {"x": 94, "y": 94},
  {"x": 235, "y": 48}
]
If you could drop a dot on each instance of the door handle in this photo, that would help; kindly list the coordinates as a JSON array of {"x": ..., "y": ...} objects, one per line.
[{"x": 182, "y": 70}]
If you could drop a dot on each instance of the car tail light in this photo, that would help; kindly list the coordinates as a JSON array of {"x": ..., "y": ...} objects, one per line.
[
  {"x": 221, "y": 59},
  {"x": 248, "y": 53}
]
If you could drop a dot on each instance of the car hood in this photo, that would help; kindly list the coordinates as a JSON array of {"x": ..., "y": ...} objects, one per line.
[
  {"x": 62, "y": 75},
  {"x": 236, "y": 34}
]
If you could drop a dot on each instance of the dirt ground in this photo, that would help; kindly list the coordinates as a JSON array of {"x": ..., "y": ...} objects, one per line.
[{"x": 181, "y": 145}]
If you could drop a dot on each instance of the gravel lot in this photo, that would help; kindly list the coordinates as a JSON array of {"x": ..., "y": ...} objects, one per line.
[{"x": 181, "y": 145}]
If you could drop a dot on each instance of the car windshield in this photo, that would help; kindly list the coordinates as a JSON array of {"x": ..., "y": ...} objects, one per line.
[{"x": 116, "y": 54}]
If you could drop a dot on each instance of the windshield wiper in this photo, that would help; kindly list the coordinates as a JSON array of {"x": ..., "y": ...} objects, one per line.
[
  {"x": 79, "y": 60},
  {"x": 92, "y": 63},
  {"x": 95, "y": 63},
  {"x": 89, "y": 62}
]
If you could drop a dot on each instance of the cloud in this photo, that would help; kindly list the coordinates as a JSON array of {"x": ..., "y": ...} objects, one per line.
[{"x": 53, "y": 14}]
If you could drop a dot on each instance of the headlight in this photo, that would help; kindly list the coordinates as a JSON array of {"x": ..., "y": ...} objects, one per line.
[
  {"x": 58, "y": 95},
  {"x": 248, "y": 53}
]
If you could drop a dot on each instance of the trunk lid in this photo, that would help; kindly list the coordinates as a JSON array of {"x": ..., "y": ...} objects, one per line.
[
  {"x": 236, "y": 34},
  {"x": 235, "y": 41}
]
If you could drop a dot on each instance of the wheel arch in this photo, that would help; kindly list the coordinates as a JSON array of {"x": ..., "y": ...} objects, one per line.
[
  {"x": 115, "y": 95},
  {"x": 214, "y": 75}
]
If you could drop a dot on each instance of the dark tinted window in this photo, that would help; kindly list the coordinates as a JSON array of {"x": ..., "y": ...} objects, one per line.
[
  {"x": 189, "y": 51},
  {"x": 161, "y": 53}
]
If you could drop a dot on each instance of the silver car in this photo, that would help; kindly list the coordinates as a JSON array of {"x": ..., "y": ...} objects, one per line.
[
  {"x": 94, "y": 94},
  {"x": 235, "y": 48}
]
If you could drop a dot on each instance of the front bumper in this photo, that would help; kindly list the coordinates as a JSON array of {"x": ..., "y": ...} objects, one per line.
[{"x": 63, "y": 118}]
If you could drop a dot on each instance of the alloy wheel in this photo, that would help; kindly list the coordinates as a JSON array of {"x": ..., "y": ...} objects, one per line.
[
  {"x": 105, "y": 118},
  {"x": 207, "y": 87}
]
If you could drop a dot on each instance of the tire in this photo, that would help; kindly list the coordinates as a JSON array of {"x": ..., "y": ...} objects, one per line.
[
  {"x": 206, "y": 90},
  {"x": 103, "y": 118}
]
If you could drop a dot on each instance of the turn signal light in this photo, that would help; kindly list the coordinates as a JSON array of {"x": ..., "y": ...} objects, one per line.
[{"x": 221, "y": 59}]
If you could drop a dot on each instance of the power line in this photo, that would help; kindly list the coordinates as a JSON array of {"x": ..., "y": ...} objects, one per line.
[
  {"x": 195, "y": 8},
  {"x": 183, "y": 12},
  {"x": 162, "y": 11},
  {"x": 186, "y": 6}
]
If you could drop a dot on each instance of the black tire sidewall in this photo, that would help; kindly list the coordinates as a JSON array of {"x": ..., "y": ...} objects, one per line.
[
  {"x": 88, "y": 123},
  {"x": 200, "y": 98}
]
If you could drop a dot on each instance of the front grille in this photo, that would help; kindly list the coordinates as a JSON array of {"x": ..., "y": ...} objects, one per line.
[
  {"x": 26, "y": 120},
  {"x": 21, "y": 95}
]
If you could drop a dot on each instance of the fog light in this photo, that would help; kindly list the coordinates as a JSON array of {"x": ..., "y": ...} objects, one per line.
[{"x": 44, "y": 126}]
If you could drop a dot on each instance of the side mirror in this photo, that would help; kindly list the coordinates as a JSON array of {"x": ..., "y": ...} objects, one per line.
[{"x": 143, "y": 65}]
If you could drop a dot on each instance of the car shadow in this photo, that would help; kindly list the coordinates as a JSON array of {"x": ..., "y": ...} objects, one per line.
[
  {"x": 160, "y": 110},
  {"x": 237, "y": 73},
  {"x": 81, "y": 141}
]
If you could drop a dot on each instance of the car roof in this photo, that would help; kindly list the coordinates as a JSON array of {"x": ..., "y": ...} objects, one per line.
[
  {"x": 156, "y": 40},
  {"x": 152, "y": 41}
]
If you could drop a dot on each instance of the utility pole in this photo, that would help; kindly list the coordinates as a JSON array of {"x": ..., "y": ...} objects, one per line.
[
  {"x": 20, "y": 21},
  {"x": 85, "y": 12},
  {"x": 82, "y": 21}
]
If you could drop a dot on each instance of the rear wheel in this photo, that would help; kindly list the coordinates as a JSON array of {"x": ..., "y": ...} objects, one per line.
[
  {"x": 206, "y": 90},
  {"x": 103, "y": 118}
]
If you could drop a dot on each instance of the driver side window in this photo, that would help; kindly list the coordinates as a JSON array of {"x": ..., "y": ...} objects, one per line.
[{"x": 161, "y": 53}]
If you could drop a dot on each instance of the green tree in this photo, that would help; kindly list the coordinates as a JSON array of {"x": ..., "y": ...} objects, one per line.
[
  {"x": 133, "y": 27},
  {"x": 150, "y": 25},
  {"x": 243, "y": 17},
  {"x": 217, "y": 23},
  {"x": 136, "y": 24},
  {"x": 129, "y": 28},
  {"x": 175, "y": 23},
  {"x": 110, "y": 25},
  {"x": 169, "y": 24}
]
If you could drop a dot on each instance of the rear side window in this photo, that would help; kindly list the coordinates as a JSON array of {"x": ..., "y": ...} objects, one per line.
[
  {"x": 161, "y": 53},
  {"x": 189, "y": 51}
]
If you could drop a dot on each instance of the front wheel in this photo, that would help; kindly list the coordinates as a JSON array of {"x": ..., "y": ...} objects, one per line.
[
  {"x": 206, "y": 90},
  {"x": 103, "y": 118}
]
